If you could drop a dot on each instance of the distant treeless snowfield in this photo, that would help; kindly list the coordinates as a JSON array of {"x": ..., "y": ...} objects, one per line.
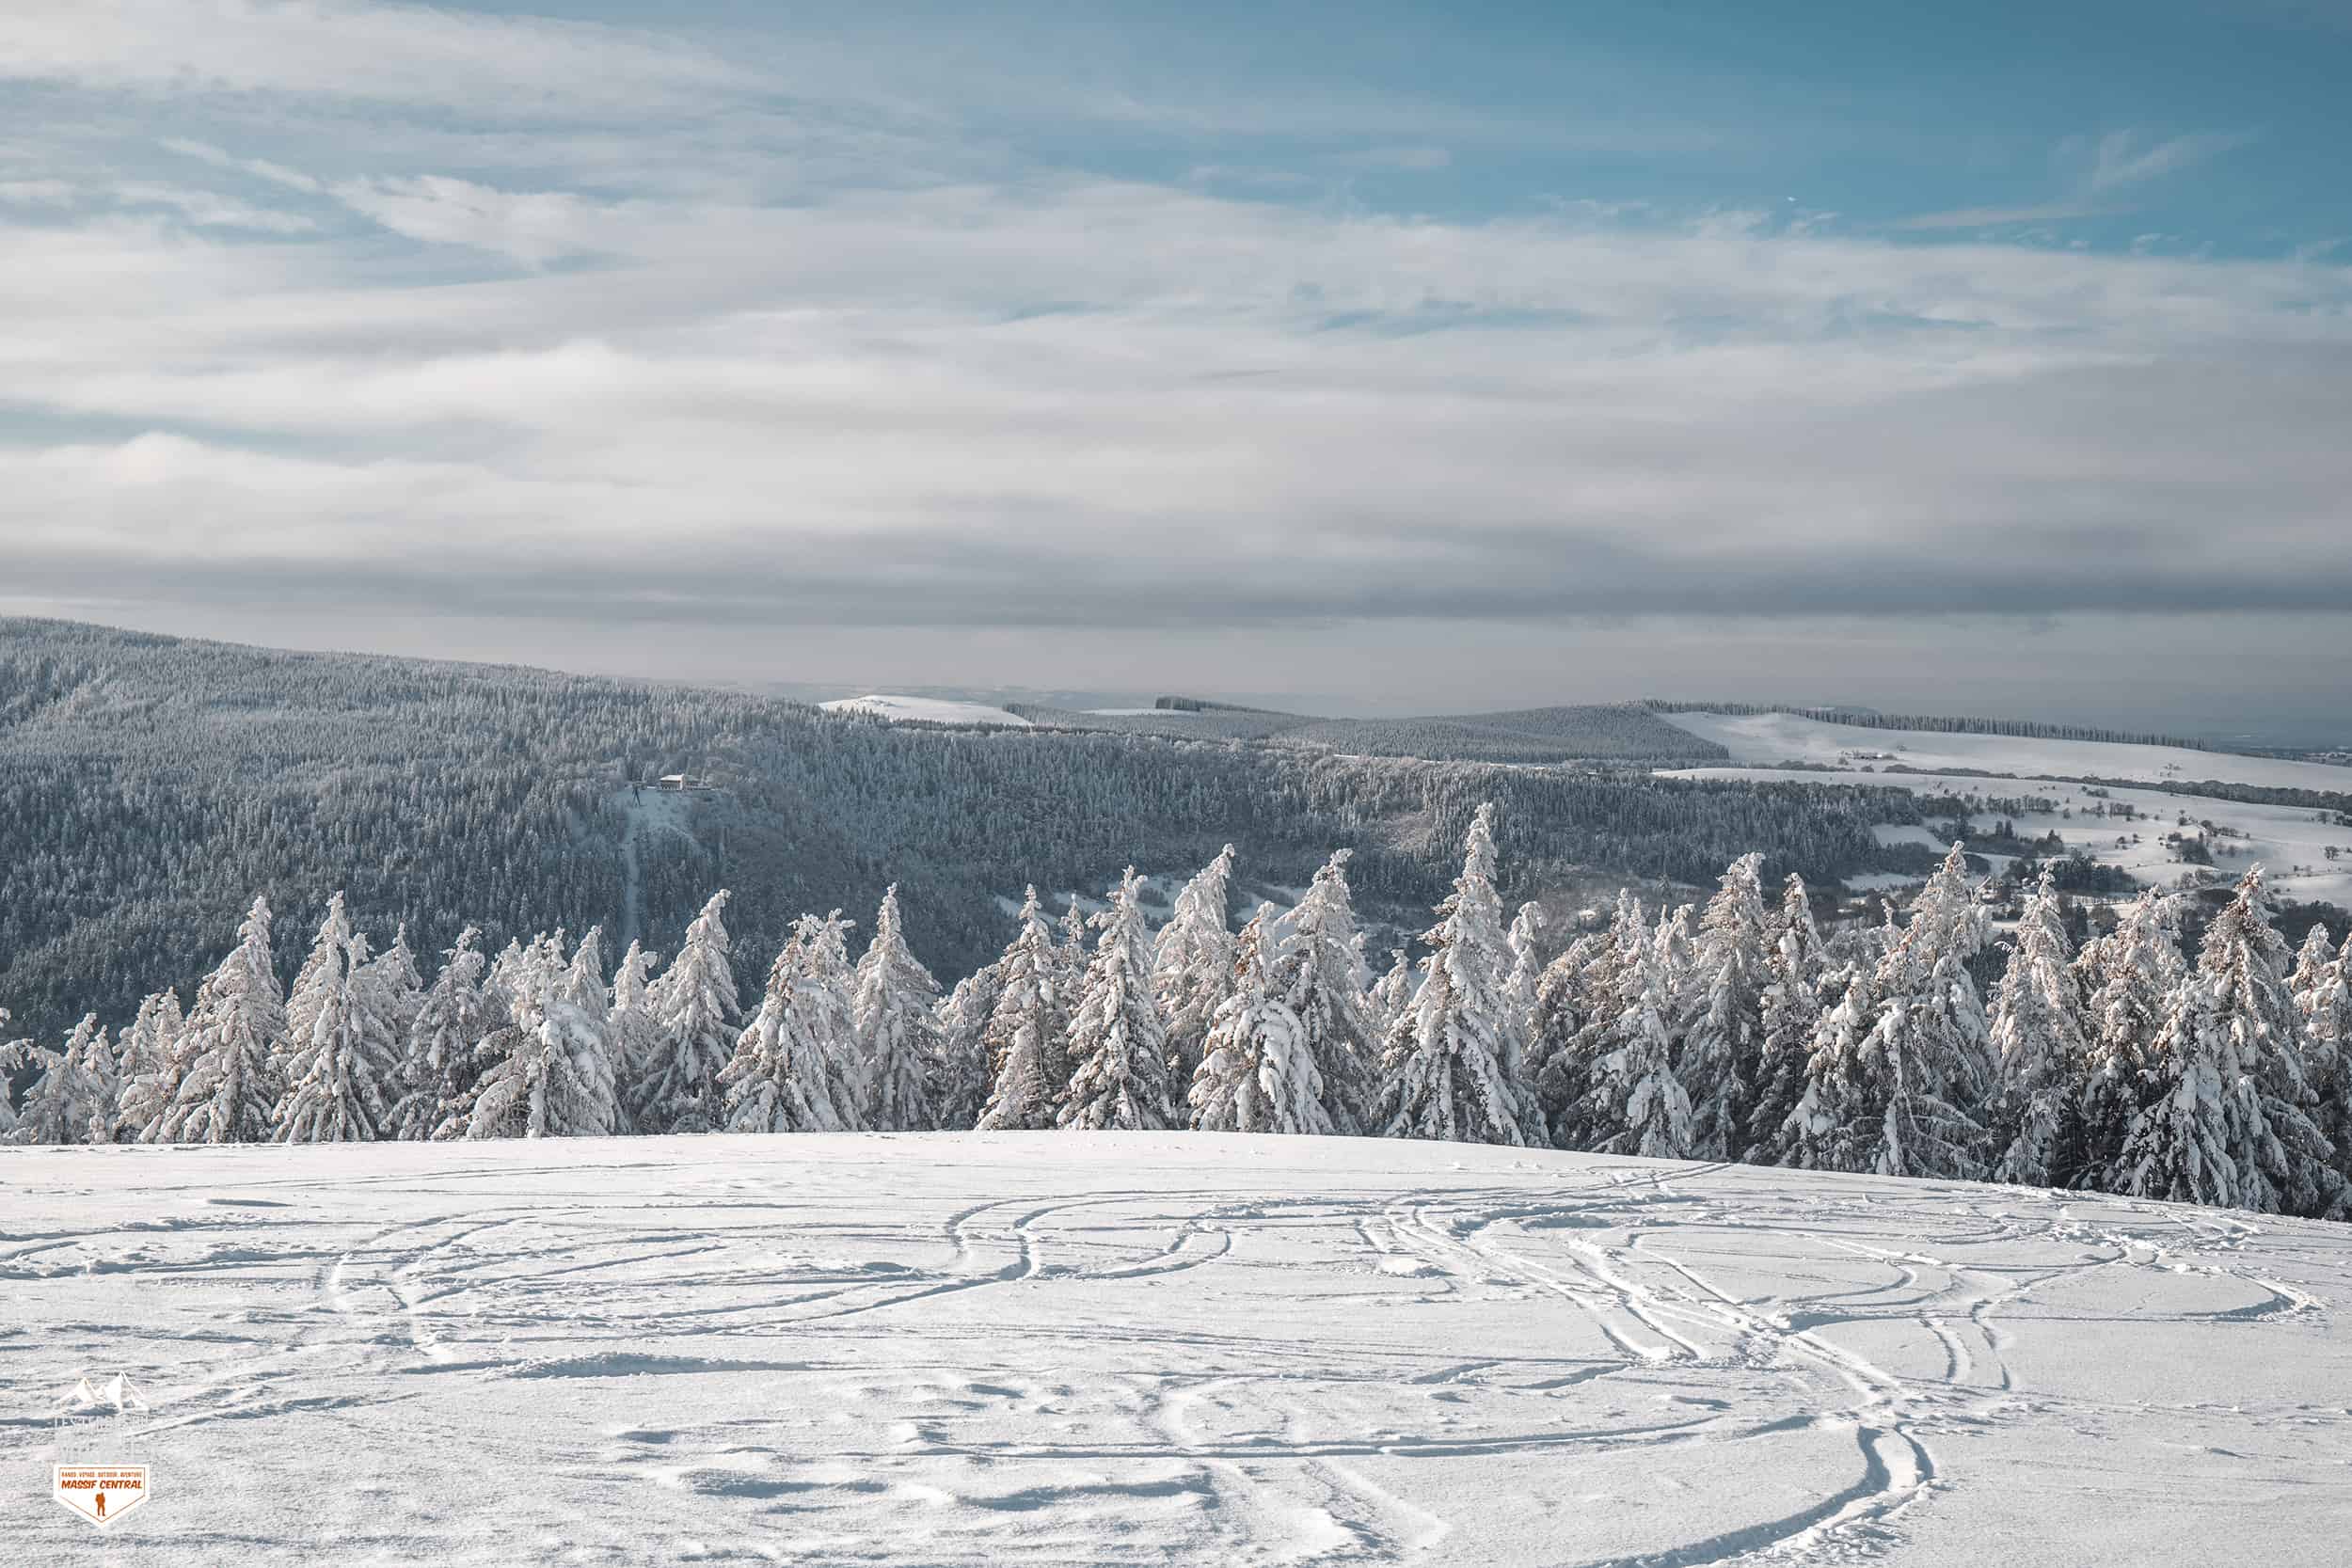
[
  {"x": 1766, "y": 739},
  {"x": 935, "y": 709},
  {"x": 2292, "y": 841},
  {"x": 2281, "y": 838},
  {"x": 1173, "y": 1348}
]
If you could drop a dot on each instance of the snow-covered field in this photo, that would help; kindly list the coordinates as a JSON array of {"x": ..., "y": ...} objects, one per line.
[
  {"x": 1766, "y": 739},
  {"x": 2292, "y": 842},
  {"x": 1104, "y": 1349},
  {"x": 937, "y": 710}
]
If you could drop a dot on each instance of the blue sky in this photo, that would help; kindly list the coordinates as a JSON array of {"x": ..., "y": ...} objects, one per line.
[
  {"x": 1412, "y": 356},
  {"x": 2204, "y": 129}
]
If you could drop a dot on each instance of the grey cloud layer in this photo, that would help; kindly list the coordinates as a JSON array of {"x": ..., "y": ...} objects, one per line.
[{"x": 992, "y": 393}]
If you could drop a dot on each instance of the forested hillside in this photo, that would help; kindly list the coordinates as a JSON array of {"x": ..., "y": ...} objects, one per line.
[{"x": 150, "y": 786}]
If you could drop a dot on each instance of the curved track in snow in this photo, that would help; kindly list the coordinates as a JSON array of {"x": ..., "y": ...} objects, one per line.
[{"x": 1067, "y": 1348}]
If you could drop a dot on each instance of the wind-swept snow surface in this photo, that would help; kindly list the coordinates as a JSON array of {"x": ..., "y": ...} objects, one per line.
[{"x": 1112, "y": 1348}]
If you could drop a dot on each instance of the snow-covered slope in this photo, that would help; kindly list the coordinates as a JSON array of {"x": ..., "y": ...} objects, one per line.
[
  {"x": 938, "y": 710},
  {"x": 1104, "y": 1349},
  {"x": 1767, "y": 740},
  {"x": 2290, "y": 842}
]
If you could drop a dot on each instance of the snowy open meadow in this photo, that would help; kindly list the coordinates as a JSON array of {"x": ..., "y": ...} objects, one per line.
[
  {"x": 1771, "y": 740},
  {"x": 2290, "y": 842},
  {"x": 1083, "y": 1348}
]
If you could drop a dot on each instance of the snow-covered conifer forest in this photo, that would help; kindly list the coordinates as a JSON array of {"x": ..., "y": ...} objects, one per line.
[
  {"x": 1730, "y": 1031},
  {"x": 150, "y": 786}
]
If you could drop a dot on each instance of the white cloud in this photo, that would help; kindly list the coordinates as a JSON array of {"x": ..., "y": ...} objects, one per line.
[
  {"x": 686, "y": 348},
  {"x": 36, "y": 193},
  {"x": 2126, "y": 158},
  {"x": 210, "y": 210},
  {"x": 487, "y": 65},
  {"x": 2003, "y": 218},
  {"x": 260, "y": 167},
  {"x": 846, "y": 406},
  {"x": 532, "y": 227}
]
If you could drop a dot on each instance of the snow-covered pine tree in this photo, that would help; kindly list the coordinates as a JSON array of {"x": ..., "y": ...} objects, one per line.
[
  {"x": 441, "y": 1063},
  {"x": 1076, "y": 948},
  {"x": 338, "y": 1076},
  {"x": 1193, "y": 963},
  {"x": 1443, "y": 1073},
  {"x": 1556, "y": 1020},
  {"x": 831, "y": 999},
  {"x": 1392, "y": 994},
  {"x": 960, "y": 1074},
  {"x": 1675, "y": 945},
  {"x": 765, "y": 1084},
  {"x": 98, "y": 1077},
  {"x": 2131, "y": 976},
  {"x": 2202, "y": 1138},
  {"x": 399, "y": 985},
  {"x": 508, "y": 983},
  {"x": 515, "y": 992},
  {"x": 696, "y": 1019},
  {"x": 2036, "y": 1028},
  {"x": 786, "y": 1075},
  {"x": 1858, "y": 948},
  {"x": 67, "y": 1096},
  {"x": 1820, "y": 1131},
  {"x": 895, "y": 1005},
  {"x": 1257, "y": 1070},
  {"x": 632, "y": 1029},
  {"x": 1524, "y": 941},
  {"x": 227, "y": 1093},
  {"x": 1644, "y": 1102},
  {"x": 307, "y": 996},
  {"x": 1584, "y": 1018},
  {"x": 778, "y": 1080},
  {"x": 1117, "y": 1040},
  {"x": 1901, "y": 1065},
  {"x": 595, "y": 1108},
  {"x": 544, "y": 961},
  {"x": 1321, "y": 974},
  {"x": 2327, "y": 1031},
  {"x": 152, "y": 1065},
  {"x": 43, "y": 1113},
  {"x": 1522, "y": 965},
  {"x": 2286, "y": 1164},
  {"x": 1723, "y": 1029},
  {"x": 1928, "y": 1059},
  {"x": 13, "y": 1054},
  {"x": 2310, "y": 964},
  {"x": 1794, "y": 963},
  {"x": 552, "y": 1077},
  {"x": 1028, "y": 1063},
  {"x": 584, "y": 984}
]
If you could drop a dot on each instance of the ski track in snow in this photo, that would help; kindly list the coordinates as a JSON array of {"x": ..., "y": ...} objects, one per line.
[{"x": 1115, "y": 1349}]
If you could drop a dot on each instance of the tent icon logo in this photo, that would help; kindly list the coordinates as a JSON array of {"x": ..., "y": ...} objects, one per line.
[{"x": 100, "y": 1493}]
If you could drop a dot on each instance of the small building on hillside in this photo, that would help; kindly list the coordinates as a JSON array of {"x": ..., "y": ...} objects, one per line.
[{"x": 683, "y": 783}]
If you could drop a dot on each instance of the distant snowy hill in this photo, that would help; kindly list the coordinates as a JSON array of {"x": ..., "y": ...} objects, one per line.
[
  {"x": 936, "y": 710},
  {"x": 1766, "y": 739},
  {"x": 1125, "y": 1349}
]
